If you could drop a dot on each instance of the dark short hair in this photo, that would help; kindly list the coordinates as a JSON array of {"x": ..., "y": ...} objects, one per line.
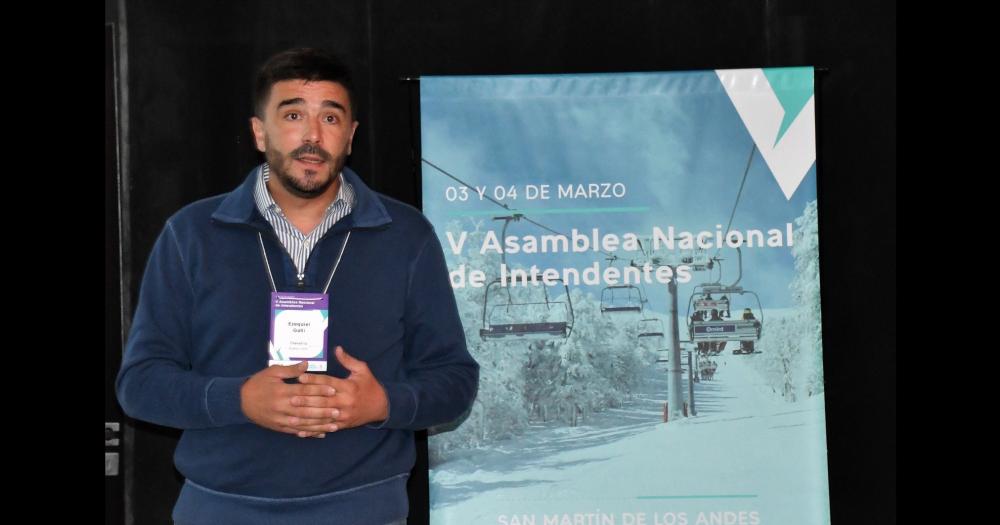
[{"x": 303, "y": 63}]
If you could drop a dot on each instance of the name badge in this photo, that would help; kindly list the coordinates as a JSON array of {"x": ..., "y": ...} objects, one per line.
[{"x": 298, "y": 329}]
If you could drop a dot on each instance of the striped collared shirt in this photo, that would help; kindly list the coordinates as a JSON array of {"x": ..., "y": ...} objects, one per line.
[{"x": 297, "y": 245}]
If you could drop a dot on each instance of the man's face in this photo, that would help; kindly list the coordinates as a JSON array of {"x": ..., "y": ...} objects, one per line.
[{"x": 306, "y": 134}]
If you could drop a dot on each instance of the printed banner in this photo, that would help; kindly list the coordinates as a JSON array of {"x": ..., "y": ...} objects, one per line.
[{"x": 635, "y": 259}]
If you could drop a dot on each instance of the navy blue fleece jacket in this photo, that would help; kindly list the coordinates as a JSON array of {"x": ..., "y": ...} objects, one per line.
[{"x": 201, "y": 329}]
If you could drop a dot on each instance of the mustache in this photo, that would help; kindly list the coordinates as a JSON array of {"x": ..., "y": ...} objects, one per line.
[{"x": 309, "y": 149}]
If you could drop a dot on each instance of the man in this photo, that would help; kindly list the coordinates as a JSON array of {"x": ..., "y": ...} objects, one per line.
[{"x": 275, "y": 444}]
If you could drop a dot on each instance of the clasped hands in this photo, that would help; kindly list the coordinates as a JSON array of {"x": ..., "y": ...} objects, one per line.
[{"x": 319, "y": 403}]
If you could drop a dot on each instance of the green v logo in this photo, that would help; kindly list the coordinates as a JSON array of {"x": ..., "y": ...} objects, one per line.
[{"x": 778, "y": 108}]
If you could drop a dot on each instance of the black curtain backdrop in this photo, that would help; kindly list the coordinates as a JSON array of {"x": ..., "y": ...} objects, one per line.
[{"x": 189, "y": 66}]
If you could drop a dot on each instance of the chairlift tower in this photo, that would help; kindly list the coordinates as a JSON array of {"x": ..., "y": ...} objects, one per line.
[{"x": 697, "y": 260}]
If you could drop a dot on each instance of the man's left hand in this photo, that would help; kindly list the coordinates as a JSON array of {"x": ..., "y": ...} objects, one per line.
[{"x": 359, "y": 398}]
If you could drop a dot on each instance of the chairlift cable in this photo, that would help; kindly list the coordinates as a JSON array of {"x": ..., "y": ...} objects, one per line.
[
  {"x": 462, "y": 182},
  {"x": 504, "y": 206},
  {"x": 739, "y": 194}
]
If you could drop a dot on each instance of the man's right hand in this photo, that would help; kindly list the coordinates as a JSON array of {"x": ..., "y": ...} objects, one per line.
[{"x": 266, "y": 400}]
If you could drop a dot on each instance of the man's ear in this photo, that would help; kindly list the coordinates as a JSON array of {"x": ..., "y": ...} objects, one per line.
[
  {"x": 257, "y": 126},
  {"x": 350, "y": 141}
]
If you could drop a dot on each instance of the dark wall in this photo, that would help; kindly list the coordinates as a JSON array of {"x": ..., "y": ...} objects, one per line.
[{"x": 190, "y": 66}]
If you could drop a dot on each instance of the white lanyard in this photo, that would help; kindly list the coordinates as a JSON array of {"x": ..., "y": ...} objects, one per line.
[{"x": 270, "y": 276}]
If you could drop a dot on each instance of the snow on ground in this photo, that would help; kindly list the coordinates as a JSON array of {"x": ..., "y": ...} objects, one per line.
[{"x": 746, "y": 451}]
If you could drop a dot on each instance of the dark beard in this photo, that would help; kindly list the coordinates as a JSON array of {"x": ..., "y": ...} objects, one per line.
[{"x": 280, "y": 165}]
